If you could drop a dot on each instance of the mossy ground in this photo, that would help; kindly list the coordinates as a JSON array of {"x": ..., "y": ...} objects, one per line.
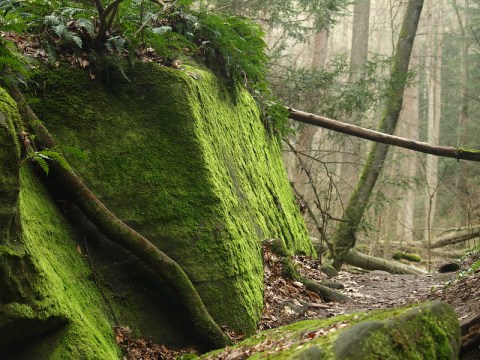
[
  {"x": 186, "y": 165},
  {"x": 429, "y": 331}
]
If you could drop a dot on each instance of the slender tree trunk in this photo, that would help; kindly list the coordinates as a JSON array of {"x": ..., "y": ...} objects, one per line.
[
  {"x": 358, "y": 59},
  {"x": 434, "y": 59},
  {"x": 409, "y": 128},
  {"x": 345, "y": 234},
  {"x": 463, "y": 114},
  {"x": 360, "y": 35},
  {"x": 304, "y": 164}
]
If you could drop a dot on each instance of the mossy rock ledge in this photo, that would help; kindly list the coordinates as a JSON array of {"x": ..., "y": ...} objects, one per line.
[
  {"x": 49, "y": 306},
  {"x": 190, "y": 166},
  {"x": 426, "y": 331}
]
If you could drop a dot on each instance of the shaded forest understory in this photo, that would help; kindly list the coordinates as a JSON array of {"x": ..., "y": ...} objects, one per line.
[
  {"x": 157, "y": 202},
  {"x": 287, "y": 301}
]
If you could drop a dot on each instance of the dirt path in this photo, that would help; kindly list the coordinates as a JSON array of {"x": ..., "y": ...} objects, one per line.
[{"x": 288, "y": 301}]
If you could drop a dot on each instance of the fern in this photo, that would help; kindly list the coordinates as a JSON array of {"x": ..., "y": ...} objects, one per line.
[
  {"x": 43, "y": 157},
  {"x": 40, "y": 160}
]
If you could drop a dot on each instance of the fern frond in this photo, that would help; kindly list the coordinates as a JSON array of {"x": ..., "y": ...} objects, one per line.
[
  {"x": 74, "y": 151},
  {"x": 40, "y": 161},
  {"x": 51, "y": 154}
]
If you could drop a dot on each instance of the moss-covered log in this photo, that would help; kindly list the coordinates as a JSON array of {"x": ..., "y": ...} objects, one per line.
[
  {"x": 400, "y": 255},
  {"x": 367, "y": 262},
  {"x": 122, "y": 234}
]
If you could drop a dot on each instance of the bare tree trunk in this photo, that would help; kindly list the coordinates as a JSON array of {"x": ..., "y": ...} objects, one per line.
[
  {"x": 463, "y": 114},
  {"x": 358, "y": 58},
  {"x": 360, "y": 35},
  {"x": 434, "y": 56},
  {"x": 409, "y": 128},
  {"x": 345, "y": 234}
]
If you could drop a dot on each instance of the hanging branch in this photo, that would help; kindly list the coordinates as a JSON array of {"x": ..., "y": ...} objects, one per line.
[{"x": 377, "y": 136}]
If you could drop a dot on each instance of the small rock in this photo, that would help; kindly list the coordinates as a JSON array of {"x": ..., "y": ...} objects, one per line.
[
  {"x": 448, "y": 267},
  {"x": 379, "y": 273}
]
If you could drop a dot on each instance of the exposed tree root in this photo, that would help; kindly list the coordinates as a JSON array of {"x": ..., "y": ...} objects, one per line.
[
  {"x": 327, "y": 294},
  {"x": 113, "y": 228}
]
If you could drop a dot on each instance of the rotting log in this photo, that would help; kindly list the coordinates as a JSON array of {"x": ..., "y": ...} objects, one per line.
[
  {"x": 210, "y": 334},
  {"x": 380, "y": 137},
  {"x": 367, "y": 262}
]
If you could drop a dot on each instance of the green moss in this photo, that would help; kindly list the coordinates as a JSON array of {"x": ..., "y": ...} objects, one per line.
[
  {"x": 429, "y": 331},
  {"x": 189, "y": 168},
  {"x": 60, "y": 313},
  {"x": 425, "y": 332},
  {"x": 9, "y": 166},
  {"x": 399, "y": 255}
]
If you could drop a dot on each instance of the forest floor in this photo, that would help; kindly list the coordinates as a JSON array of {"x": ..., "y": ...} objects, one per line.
[{"x": 287, "y": 301}]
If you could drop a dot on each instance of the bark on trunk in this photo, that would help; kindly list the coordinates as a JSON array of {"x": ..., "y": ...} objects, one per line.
[
  {"x": 345, "y": 235},
  {"x": 117, "y": 231}
]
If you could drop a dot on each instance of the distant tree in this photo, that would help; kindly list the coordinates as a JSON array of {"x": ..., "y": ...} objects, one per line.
[{"x": 345, "y": 235}]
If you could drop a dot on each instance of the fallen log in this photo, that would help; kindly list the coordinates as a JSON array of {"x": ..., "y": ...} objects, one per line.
[
  {"x": 470, "y": 332},
  {"x": 455, "y": 237},
  {"x": 377, "y": 136},
  {"x": 368, "y": 262}
]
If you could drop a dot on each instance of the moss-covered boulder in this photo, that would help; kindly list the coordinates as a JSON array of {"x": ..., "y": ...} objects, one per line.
[
  {"x": 191, "y": 168},
  {"x": 428, "y": 331},
  {"x": 49, "y": 306}
]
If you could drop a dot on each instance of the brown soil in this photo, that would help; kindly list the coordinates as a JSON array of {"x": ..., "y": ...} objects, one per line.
[{"x": 288, "y": 301}]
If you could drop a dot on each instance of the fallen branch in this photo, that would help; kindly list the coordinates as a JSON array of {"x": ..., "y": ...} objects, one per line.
[
  {"x": 470, "y": 331},
  {"x": 119, "y": 232},
  {"x": 349, "y": 129}
]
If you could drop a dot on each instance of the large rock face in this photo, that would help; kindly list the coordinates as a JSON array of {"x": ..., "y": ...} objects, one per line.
[{"x": 188, "y": 166}]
